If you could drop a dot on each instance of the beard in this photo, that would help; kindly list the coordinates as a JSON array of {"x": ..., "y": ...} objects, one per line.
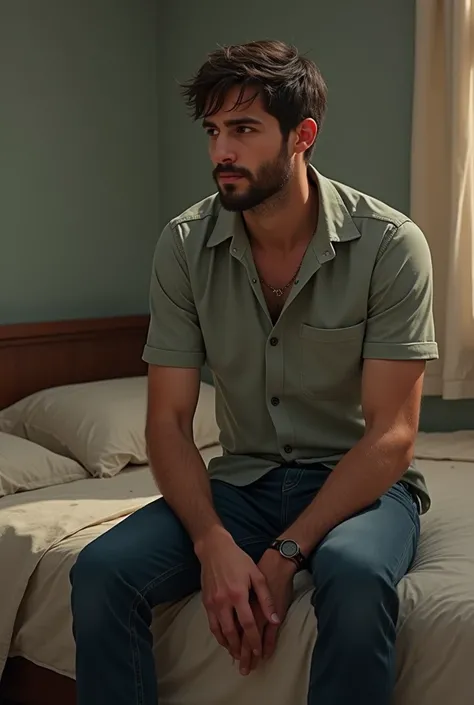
[{"x": 269, "y": 180}]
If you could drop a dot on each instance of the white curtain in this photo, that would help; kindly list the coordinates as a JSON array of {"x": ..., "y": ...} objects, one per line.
[{"x": 442, "y": 182}]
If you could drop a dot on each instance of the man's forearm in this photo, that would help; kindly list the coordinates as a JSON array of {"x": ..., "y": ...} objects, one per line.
[
  {"x": 363, "y": 475},
  {"x": 182, "y": 478}
]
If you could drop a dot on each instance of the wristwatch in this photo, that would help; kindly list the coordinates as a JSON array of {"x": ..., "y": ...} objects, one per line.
[{"x": 290, "y": 550}]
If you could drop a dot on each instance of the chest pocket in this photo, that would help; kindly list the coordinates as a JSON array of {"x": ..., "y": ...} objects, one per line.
[{"x": 330, "y": 360}]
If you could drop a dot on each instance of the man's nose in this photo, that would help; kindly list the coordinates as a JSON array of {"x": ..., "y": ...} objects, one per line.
[{"x": 223, "y": 152}]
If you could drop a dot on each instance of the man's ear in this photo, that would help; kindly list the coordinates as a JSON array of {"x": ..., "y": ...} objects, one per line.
[{"x": 306, "y": 133}]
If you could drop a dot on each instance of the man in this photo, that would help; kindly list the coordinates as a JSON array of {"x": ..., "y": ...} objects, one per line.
[{"x": 312, "y": 304}]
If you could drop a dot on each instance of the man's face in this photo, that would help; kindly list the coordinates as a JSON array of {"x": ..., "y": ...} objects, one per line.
[{"x": 248, "y": 151}]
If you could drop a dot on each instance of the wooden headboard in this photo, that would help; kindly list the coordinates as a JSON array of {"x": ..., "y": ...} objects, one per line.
[{"x": 36, "y": 356}]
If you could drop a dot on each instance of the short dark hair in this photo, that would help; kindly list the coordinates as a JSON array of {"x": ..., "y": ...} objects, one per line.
[{"x": 290, "y": 85}]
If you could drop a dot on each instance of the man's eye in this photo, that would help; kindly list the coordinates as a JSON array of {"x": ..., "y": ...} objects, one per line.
[
  {"x": 244, "y": 129},
  {"x": 211, "y": 131}
]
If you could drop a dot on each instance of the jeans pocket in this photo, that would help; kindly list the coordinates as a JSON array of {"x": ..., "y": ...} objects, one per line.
[{"x": 410, "y": 500}]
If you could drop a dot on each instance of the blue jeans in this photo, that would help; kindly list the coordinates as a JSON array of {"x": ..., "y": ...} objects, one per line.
[{"x": 148, "y": 559}]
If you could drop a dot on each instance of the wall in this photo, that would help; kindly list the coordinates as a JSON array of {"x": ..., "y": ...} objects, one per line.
[
  {"x": 365, "y": 51},
  {"x": 79, "y": 157}
]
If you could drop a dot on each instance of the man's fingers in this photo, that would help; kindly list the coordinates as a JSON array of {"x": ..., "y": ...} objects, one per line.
[
  {"x": 248, "y": 660},
  {"x": 216, "y": 630},
  {"x": 264, "y": 597},
  {"x": 245, "y": 658},
  {"x": 249, "y": 625},
  {"x": 261, "y": 625},
  {"x": 255, "y": 660},
  {"x": 269, "y": 640},
  {"x": 229, "y": 630}
]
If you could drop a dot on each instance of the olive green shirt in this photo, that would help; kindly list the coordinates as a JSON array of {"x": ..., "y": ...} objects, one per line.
[{"x": 291, "y": 391}]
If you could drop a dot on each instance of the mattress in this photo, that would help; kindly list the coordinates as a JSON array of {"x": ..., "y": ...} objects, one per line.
[{"x": 435, "y": 630}]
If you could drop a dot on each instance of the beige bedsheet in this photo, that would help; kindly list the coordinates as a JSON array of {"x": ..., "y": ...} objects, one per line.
[
  {"x": 435, "y": 632},
  {"x": 32, "y": 523}
]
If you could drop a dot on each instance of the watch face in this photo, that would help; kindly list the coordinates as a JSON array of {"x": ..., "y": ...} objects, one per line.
[{"x": 289, "y": 548}]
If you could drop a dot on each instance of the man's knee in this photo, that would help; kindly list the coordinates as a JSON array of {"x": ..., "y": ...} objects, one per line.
[
  {"x": 97, "y": 578},
  {"x": 94, "y": 566},
  {"x": 348, "y": 566},
  {"x": 352, "y": 588}
]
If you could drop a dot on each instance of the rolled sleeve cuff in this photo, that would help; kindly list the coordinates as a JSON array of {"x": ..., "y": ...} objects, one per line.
[
  {"x": 401, "y": 351},
  {"x": 172, "y": 358}
]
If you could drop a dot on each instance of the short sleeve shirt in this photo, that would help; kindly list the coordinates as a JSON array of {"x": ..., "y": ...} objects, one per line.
[{"x": 290, "y": 391}]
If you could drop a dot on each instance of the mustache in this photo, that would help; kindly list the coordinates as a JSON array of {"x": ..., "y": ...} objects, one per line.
[{"x": 230, "y": 169}]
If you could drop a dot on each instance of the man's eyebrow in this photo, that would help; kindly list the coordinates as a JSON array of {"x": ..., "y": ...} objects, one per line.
[{"x": 233, "y": 122}]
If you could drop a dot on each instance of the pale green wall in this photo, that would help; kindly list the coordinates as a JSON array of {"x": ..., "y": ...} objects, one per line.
[
  {"x": 78, "y": 157},
  {"x": 364, "y": 49}
]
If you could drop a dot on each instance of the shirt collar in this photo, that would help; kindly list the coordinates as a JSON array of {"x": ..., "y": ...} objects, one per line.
[{"x": 335, "y": 223}]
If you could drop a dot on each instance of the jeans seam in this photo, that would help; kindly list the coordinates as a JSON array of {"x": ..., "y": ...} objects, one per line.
[
  {"x": 413, "y": 496},
  {"x": 136, "y": 662},
  {"x": 133, "y": 632},
  {"x": 247, "y": 541},
  {"x": 287, "y": 488},
  {"x": 405, "y": 551},
  {"x": 141, "y": 596},
  {"x": 284, "y": 508},
  {"x": 285, "y": 493}
]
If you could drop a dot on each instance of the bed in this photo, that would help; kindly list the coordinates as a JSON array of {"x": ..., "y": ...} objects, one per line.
[{"x": 436, "y": 625}]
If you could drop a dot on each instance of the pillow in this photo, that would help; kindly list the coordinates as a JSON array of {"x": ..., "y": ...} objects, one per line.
[
  {"x": 27, "y": 466},
  {"x": 99, "y": 424}
]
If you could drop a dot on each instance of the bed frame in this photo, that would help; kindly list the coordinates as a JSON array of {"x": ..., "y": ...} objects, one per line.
[{"x": 37, "y": 356}]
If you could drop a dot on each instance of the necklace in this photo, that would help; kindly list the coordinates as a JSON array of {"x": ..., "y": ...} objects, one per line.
[{"x": 279, "y": 291}]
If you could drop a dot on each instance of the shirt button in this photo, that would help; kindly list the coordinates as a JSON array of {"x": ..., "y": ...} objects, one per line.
[
  {"x": 275, "y": 401},
  {"x": 273, "y": 341},
  {"x": 288, "y": 449}
]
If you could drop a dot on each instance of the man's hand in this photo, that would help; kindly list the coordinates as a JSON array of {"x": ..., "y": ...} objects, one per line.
[
  {"x": 228, "y": 575},
  {"x": 279, "y": 573}
]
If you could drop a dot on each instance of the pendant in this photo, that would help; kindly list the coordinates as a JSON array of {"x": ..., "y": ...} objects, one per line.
[{"x": 278, "y": 292}]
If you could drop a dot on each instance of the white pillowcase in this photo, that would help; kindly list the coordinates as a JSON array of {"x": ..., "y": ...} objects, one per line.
[
  {"x": 99, "y": 424},
  {"x": 27, "y": 466}
]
